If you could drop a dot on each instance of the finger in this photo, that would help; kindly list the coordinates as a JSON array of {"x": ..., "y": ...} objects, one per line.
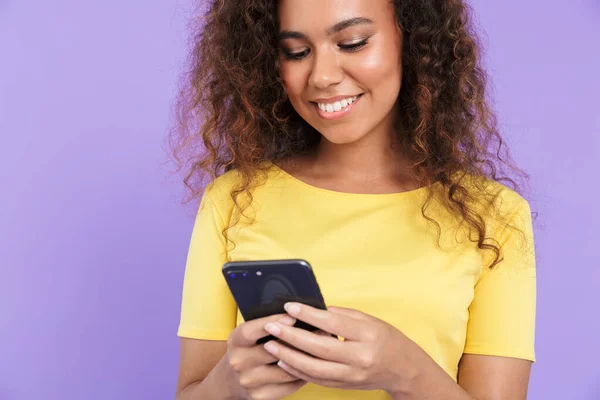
[
  {"x": 311, "y": 366},
  {"x": 338, "y": 324},
  {"x": 324, "y": 347},
  {"x": 275, "y": 391},
  {"x": 246, "y": 334},
  {"x": 312, "y": 379},
  {"x": 244, "y": 358},
  {"x": 264, "y": 375},
  {"x": 350, "y": 313},
  {"x": 322, "y": 333}
]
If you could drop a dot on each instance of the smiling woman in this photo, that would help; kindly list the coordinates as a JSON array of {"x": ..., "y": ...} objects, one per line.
[
  {"x": 358, "y": 59},
  {"x": 342, "y": 132}
]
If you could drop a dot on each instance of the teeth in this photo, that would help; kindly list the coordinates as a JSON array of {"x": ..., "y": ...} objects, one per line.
[{"x": 338, "y": 105}]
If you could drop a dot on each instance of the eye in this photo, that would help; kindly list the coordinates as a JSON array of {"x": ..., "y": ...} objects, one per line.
[
  {"x": 296, "y": 55},
  {"x": 354, "y": 46}
]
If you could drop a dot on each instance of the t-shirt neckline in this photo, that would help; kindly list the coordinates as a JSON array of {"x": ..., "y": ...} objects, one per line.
[{"x": 300, "y": 183}]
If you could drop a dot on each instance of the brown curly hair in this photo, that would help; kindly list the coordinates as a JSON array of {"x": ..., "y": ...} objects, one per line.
[{"x": 232, "y": 110}]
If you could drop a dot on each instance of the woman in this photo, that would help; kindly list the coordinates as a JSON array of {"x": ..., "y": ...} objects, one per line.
[{"x": 354, "y": 134}]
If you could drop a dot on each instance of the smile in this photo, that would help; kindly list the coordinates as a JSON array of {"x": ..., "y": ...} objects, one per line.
[{"x": 338, "y": 109}]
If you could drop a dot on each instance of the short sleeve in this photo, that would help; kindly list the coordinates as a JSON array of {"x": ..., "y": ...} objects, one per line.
[
  {"x": 208, "y": 310},
  {"x": 502, "y": 313}
]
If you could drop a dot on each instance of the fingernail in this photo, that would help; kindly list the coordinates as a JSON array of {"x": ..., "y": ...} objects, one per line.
[
  {"x": 271, "y": 348},
  {"x": 282, "y": 365},
  {"x": 273, "y": 328},
  {"x": 287, "y": 320},
  {"x": 292, "y": 309}
]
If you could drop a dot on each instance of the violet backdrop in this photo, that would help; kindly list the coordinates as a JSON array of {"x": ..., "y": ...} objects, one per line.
[{"x": 93, "y": 239}]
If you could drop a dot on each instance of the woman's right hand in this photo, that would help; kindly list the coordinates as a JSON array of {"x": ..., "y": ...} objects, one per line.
[{"x": 251, "y": 367}]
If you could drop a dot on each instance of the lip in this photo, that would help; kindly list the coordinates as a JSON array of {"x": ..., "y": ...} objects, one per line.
[
  {"x": 336, "y": 114},
  {"x": 334, "y": 99}
]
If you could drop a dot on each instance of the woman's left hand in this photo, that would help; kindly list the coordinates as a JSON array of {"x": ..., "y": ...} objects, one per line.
[{"x": 374, "y": 354}]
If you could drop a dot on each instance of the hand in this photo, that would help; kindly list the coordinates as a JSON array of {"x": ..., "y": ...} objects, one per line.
[
  {"x": 374, "y": 354},
  {"x": 250, "y": 366}
]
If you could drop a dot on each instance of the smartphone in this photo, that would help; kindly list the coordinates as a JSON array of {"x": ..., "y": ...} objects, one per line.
[{"x": 261, "y": 288}]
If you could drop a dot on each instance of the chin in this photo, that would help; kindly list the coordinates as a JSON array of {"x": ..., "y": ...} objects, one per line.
[{"x": 339, "y": 136}]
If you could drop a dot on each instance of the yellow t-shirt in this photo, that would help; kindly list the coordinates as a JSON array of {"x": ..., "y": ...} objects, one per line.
[{"x": 377, "y": 254}]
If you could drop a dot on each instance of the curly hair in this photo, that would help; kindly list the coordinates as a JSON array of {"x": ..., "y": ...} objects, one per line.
[{"x": 232, "y": 111}]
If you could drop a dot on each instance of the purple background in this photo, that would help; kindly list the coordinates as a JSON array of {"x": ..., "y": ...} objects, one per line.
[{"x": 93, "y": 239}]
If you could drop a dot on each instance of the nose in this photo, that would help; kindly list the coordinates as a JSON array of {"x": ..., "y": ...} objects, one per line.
[{"x": 326, "y": 70}]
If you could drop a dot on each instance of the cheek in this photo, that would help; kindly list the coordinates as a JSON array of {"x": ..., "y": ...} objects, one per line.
[
  {"x": 293, "y": 77},
  {"x": 378, "y": 69}
]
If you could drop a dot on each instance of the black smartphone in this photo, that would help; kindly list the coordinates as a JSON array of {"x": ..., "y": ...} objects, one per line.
[{"x": 261, "y": 288}]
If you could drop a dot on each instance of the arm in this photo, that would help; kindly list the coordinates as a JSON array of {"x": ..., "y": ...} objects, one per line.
[
  {"x": 494, "y": 378},
  {"x": 236, "y": 369},
  {"x": 480, "y": 378},
  {"x": 201, "y": 370},
  {"x": 208, "y": 312},
  {"x": 501, "y": 322}
]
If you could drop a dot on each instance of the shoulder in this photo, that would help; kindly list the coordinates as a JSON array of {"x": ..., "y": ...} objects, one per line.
[
  {"x": 221, "y": 191},
  {"x": 217, "y": 193},
  {"x": 222, "y": 186},
  {"x": 495, "y": 197},
  {"x": 499, "y": 206}
]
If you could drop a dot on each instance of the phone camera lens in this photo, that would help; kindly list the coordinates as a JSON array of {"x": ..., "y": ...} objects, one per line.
[
  {"x": 244, "y": 274},
  {"x": 232, "y": 276}
]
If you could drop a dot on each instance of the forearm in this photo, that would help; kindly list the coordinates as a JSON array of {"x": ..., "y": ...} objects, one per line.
[
  {"x": 431, "y": 382},
  {"x": 215, "y": 386}
]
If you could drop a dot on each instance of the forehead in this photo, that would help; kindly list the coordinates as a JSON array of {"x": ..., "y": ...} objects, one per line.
[{"x": 313, "y": 15}]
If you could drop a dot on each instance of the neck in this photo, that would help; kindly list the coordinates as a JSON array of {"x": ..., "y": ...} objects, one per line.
[
  {"x": 377, "y": 154},
  {"x": 359, "y": 158}
]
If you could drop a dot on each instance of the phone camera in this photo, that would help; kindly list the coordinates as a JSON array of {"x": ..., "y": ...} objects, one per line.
[{"x": 237, "y": 274}]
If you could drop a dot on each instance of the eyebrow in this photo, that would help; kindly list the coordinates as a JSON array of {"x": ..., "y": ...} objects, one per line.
[{"x": 340, "y": 26}]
